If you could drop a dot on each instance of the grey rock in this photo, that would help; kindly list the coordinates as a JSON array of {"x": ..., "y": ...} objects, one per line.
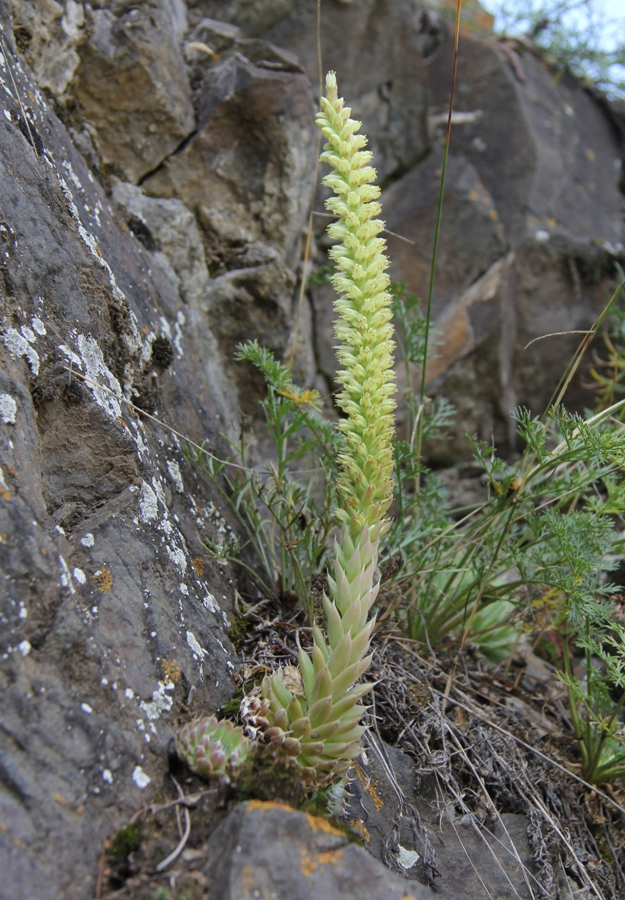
[
  {"x": 247, "y": 14},
  {"x": 168, "y": 227},
  {"x": 248, "y": 171},
  {"x": 50, "y": 33},
  {"x": 267, "y": 849},
  {"x": 132, "y": 88},
  {"x": 550, "y": 159},
  {"x": 472, "y": 238},
  {"x": 380, "y": 67},
  {"x": 420, "y": 836},
  {"x": 543, "y": 147}
]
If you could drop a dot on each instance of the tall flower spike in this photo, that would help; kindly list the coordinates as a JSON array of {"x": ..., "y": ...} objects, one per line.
[{"x": 320, "y": 725}]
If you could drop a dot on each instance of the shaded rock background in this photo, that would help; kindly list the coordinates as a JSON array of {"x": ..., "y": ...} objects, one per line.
[{"x": 156, "y": 171}]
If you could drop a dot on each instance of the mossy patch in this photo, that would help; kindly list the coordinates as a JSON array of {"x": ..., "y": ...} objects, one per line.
[
  {"x": 230, "y": 710},
  {"x": 125, "y": 842},
  {"x": 238, "y": 631}
]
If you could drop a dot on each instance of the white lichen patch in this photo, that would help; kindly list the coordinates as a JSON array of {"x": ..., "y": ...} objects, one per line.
[
  {"x": 177, "y": 556},
  {"x": 109, "y": 396},
  {"x": 194, "y": 644},
  {"x": 148, "y": 503},
  {"x": 177, "y": 341},
  {"x": 140, "y": 778},
  {"x": 142, "y": 447},
  {"x": 146, "y": 349},
  {"x": 24, "y": 647},
  {"x": 165, "y": 327},
  {"x": 88, "y": 540},
  {"x": 74, "y": 358},
  {"x": 174, "y": 473},
  {"x": 68, "y": 168},
  {"x": 160, "y": 702},
  {"x": 210, "y": 603},
  {"x": 89, "y": 240},
  {"x": 17, "y": 345},
  {"x": 107, "y": 776},
  {"x": 158, "y": 489},
  {"x": 38, "y": 326},
  {"x": 407, "y": 858},
  {"x": 86, "y": 708},
  {"x": 8, "y": 409},
  {"x": 66, "y": 576},
  {"x": 79, "y": 576}
]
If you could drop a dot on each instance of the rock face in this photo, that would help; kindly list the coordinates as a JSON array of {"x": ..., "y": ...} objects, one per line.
[
  {"x": 157, "y": 163},
  {"x": 132, "y": 88},
  {"x": 547, "y": 163},
  {"x": 265, "y": 849}
]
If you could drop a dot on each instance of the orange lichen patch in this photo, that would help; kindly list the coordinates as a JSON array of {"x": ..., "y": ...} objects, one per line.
[
  {"x": 370, "y": 785},
  {"x": 12, "y": 470},
  {"x": 360, "y": 828},
  {"x": 329, "y": 857},
  {"x": 268, "y": 804},
  {"x": 248, "y": 876},
  {"x": 310, "y": 862},
  {"x": 307, "y": 863},
  {"x": 198, "y": 566},
  {"x": 171, "y": 670},
  {"x": 317, "y": 823},
  {"x": 103, "y": 579},
  {"x": 5, "y": 495}
]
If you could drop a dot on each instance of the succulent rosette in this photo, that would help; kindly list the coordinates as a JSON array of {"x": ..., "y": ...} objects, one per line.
[{"x": 212, "y": 748}]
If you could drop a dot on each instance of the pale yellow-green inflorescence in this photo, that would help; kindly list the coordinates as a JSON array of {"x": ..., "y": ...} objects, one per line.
[
  {"x": 363, "y": 324},
  {"x": 319, "y": 722}
]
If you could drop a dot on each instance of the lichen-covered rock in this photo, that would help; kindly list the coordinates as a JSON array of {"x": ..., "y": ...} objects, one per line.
[
  {"x": 266, "y": 849},
  {"x": 111, "y": 614}
]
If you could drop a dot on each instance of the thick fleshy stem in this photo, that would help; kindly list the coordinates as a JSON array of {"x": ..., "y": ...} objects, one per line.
[{"x": 321, "y": 724}]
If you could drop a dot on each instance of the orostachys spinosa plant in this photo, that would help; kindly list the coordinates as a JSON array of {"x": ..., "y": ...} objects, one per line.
[
  {"x": 320, "y": 724},
  {"x": 211, "y": 748}
]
